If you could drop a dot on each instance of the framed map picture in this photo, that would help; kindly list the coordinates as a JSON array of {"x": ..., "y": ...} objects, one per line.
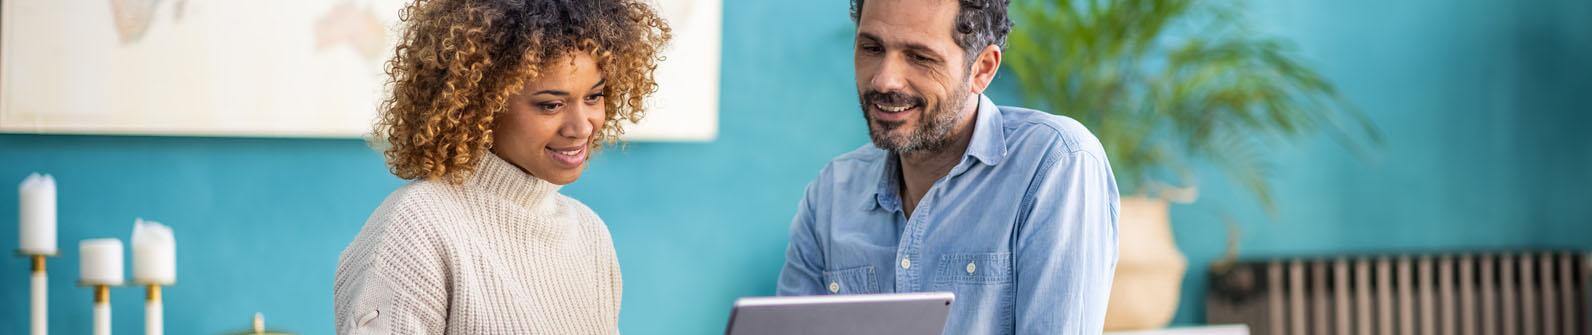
[{"x": 294, "y": 68}]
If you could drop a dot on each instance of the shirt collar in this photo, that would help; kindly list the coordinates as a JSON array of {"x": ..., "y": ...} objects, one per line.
[
  {"x": 988, "y": 146},
  {"x": 989, "y": 133}
]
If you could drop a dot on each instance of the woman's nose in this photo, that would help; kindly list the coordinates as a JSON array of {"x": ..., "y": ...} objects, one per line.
[{"x": 578, "y": 125}]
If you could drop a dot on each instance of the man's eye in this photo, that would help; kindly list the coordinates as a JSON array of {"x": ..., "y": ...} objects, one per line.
[
  {"x": 920, "y": 59},
  {"x": 872, "y": 49}
]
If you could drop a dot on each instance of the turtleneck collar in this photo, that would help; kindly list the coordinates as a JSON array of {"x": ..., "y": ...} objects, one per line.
[{"x": 500, "y": 178}]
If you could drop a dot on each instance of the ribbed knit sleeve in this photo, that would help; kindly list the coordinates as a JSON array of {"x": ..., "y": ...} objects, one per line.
[{"x": 394, "y": 281}]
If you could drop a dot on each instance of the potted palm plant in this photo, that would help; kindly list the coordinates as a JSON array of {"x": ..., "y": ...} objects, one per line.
[{"x": 1166, "y": 84}]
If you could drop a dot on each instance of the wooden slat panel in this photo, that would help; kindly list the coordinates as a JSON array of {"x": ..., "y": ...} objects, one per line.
[
  {"x": 1296, "y": 297},
  {"x": 1550, "y": 294},
  {"x": 1274, "y": 292},
  {"x": 1362, "y": 296},
  {"x": 1384, "y": 296},
  {"x": 1319, "y": 303},
  {"x": 1340, "y": 290},
  {"x": 1525, "y": 293},
  {"x": 1506, "y": 294},
  {"x": 1427, "y": 310},
  {"x": 1406, "y": 296},
  {"x": 1445, "y": 295},
  {"x": 1567, "y": 289},
  {"x": 1489, "y": 300},
  {"x": 1467, "y": 295},
  {"x": 1528, "y": 295}
]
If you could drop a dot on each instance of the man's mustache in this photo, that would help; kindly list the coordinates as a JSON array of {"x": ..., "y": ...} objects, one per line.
[{"x": 892, "y": 98}]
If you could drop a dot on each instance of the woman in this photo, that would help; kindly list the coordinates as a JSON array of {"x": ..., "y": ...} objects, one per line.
[{"x": 496, "y": 104}]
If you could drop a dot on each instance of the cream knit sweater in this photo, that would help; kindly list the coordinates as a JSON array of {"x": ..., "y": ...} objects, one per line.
[{"x": 501, "y": 253}]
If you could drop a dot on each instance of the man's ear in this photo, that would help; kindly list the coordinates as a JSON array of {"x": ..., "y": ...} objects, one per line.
[{"x": 984, "y": 68}]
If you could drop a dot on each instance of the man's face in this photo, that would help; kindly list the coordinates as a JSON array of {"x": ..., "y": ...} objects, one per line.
[{"x": 912, "y": 78}]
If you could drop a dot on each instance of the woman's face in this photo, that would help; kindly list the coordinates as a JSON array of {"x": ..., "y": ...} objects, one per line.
[{"x": 551, "y": 124}]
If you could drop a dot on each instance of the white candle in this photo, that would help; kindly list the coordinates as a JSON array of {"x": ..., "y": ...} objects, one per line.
[
  {"x": 101, "y": 261},
  {"x": 37, "y": 214},
  {"x": 154, "y": 253}
]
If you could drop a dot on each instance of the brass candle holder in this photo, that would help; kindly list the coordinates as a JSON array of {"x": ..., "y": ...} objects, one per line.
[
  {"x": 102, "y": 308},
  {"x": 39, "y": 298},
  {"x": 100, "y": 261},
  {"x": 154, "y": 310}
]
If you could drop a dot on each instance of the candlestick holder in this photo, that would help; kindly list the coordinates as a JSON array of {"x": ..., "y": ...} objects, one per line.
[
  {"x": 102, "y": 307},
  {"x": 154, "y": 310},
  {"x": 39, "y": 297},
  {"x": 154, "y": 266},
  {"x": 100, "y": 267},
  {"x": 36, "y": 241}
]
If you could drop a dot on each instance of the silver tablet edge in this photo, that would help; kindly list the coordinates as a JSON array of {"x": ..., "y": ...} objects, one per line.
[{"x": 947, "y": 297}]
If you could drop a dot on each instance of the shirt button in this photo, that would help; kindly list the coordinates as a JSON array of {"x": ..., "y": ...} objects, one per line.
[
  {"x": 906, "y": 263},
  {"x": 834, "y": 287},
  {"x": 971, "y": 267}
]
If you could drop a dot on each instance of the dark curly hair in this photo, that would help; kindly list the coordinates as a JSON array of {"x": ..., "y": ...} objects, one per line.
[
  {"x": 459, "y": 61},
  {"x": 979, "y": 23}
]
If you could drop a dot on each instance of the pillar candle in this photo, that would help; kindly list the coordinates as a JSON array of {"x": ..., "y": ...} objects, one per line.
[
  {"x": 37, "y": 214},
  {"x": 101, "y": 262},
  {"x": 154, "y": 253}
]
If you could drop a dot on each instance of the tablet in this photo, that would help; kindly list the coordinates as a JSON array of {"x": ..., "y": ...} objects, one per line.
[{"x": 904, "y": 313}]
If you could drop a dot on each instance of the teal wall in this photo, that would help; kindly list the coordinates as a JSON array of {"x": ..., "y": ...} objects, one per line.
[
  {"x": 1480, "y": 101},
  {"x": 1484, "y": 108}
]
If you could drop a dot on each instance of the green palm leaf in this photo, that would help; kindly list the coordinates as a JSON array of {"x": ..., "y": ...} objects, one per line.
[{"x": 1166, "y": 83}]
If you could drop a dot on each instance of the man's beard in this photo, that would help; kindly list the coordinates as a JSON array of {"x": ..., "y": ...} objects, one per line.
[{"x": 933, "y": 131}]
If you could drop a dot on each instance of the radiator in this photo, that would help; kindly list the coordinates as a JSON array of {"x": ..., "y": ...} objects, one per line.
[{"x": 1524, "y": 293}]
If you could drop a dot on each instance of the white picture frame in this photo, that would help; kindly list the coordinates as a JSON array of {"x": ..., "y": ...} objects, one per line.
[{"x": 291, "y": 68}]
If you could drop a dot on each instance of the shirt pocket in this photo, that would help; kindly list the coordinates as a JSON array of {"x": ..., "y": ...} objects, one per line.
[
  {"x": 975, "y": 269},
  {"x": 983, "y": 284},
  {"x": 857, "y": 280}
]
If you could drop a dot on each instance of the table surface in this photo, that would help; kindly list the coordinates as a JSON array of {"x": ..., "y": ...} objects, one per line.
[{"x": 1201, "y": 330}]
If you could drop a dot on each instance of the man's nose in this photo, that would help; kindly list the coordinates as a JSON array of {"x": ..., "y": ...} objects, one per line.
[{"x": 890, "y": 76}]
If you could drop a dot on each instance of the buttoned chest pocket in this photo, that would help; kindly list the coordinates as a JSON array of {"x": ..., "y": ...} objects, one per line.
[
  {"x": 857, "y": 280},
  {"x": 983, "y": 284},
  {"x": 975, "y": 269}
]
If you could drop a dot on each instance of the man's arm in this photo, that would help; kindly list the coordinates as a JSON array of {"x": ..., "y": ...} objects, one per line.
[
  {"x": 803, "y": 258},
  {"x": 1067, "y": 245}
]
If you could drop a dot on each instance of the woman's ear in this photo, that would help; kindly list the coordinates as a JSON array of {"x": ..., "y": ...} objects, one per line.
[{"x": 984, "y": 68}]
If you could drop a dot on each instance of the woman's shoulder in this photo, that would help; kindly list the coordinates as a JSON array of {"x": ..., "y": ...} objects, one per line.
[
  {"x": 407, "y": 229},
  {"x": 577, "y": 209},
  {"x": 581, "y": 213},
  {"x": 413, "y": 212},
  {"x": 426, "y": 200},
  {"x": 401, "y": 245}
]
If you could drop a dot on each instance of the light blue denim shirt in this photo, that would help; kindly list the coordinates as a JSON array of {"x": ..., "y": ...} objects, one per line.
[{"x": 1023, "y": 230}]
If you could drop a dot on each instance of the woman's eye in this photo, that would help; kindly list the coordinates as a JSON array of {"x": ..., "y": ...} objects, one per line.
[
  {"x": 594, "y": 98},
  {"x": 550, "y": 106}
]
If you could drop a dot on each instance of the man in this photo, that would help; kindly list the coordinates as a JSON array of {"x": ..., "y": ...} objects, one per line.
[{"x": 1011, "y": 209}]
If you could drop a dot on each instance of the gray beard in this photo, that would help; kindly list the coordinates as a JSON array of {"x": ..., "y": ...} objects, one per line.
[{"x": 932, "y": 134}]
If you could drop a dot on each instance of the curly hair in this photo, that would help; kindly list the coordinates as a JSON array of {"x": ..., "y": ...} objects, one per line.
[
  {"x": 979, "y": 23},
  {"x": 459, "y": 61}
]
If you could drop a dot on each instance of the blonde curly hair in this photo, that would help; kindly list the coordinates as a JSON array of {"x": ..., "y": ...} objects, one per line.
[{"x": 459, "y": 61}]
